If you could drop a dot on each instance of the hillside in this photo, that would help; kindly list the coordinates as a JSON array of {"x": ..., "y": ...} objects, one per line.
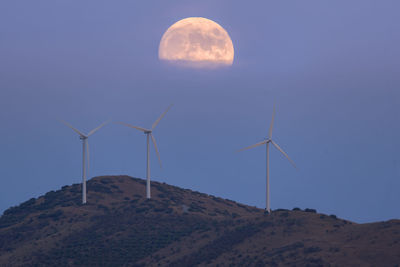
[{"x": 178, "y": 227}]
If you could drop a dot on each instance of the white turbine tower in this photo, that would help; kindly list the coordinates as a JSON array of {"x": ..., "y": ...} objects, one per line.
[
  {"x": 267, "y": 141},
  {"x": 85, "y": 153},
  {"x": 149, "y": 134}
]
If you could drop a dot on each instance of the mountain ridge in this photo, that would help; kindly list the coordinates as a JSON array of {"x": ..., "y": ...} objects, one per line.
[{"x": 180, "y": 227}]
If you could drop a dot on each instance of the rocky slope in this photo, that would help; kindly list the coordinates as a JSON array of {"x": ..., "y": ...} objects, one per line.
[{"x": 177, "y": 227}]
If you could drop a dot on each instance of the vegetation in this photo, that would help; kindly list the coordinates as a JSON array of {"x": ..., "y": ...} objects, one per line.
[
  {"x": 120, "y": 227},
  {"x": 310, "y": 210}
]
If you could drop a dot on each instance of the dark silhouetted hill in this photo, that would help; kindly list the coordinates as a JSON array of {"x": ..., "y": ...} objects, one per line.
[{"x": 177, "y": 227}]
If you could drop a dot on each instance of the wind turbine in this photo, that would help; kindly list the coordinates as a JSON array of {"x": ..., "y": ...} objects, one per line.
[
  {"x": 85, "y": 153},
  {"x": 268, "y": 141},
  {"x": 149, "y": 134}
]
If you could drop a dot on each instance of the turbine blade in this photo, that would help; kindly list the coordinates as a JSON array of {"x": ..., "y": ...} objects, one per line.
[
  {"x": 162, "y": 115},
  {"x": 135, "y": 127},
  {"x": 283, "y": 152},
  {"x": 155, "y": 146},
  {"x": 255, "y": 145},
  {"x": 76, "y": 130},
  {"x": 272, "y": 124},
  {"x": 98, "y": 128}
]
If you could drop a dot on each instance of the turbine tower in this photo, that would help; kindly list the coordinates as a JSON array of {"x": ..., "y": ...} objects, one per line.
[
  {"x": 266, "y": 142},
  {"x": 149, "y": 134},
  {"x": 85, "y": 153}
]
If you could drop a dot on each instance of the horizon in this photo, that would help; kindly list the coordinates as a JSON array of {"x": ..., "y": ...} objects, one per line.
[{"x": 329, "y": 68}]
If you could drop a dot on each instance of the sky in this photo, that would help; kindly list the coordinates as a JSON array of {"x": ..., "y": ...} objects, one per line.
[{"x": 330, "y": 67}]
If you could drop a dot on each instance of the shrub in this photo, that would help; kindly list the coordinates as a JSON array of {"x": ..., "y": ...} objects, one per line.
[
  {"x": 284, "y": 214},
  {"x": 281, "y": 210},
  {"x": 55, "y": 215},
  {"x": 99, "y": 188},
  {"x": 194, "y": 207},
  {"x": 28, "y": 203},
  {"x": 310, "y": 210}
]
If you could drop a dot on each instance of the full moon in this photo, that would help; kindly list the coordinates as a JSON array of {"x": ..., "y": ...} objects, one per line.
[{"x": 196, "y": 42}]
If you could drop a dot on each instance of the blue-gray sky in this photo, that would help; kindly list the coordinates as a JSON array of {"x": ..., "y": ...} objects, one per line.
[{"x": 331, "y": 68}]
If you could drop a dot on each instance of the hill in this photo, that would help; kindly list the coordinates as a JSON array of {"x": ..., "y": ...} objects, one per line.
[{"x": 177, "y": 227}]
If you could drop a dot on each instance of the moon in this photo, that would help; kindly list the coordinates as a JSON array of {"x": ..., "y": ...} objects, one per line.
[{"x": 196, "y": 42}]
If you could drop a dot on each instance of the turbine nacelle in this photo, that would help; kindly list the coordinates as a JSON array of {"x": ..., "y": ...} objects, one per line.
[{"x": 83, "y": 136}]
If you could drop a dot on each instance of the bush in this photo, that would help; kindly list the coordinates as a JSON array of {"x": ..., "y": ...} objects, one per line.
[
  {"x": 284, "y": 214},
  {"x": 281, "y": 210},
  {"x": 194, "y": 207},
  {"x": 296, "y": 209},
  {"x": 28, "y": 203},
  {"x": 97, "y": 187},
  {"x": 310, "y": 210},
  {"x": 55, "y": 215}
]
